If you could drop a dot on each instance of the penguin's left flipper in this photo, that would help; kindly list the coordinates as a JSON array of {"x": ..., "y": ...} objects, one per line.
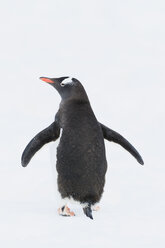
[
  {"x": 47, "y": 135},
  {"x": 113, "y": 136}
]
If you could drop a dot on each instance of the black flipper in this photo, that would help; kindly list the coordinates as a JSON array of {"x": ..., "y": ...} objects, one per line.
[
  {"x": 111, "y": 135},
  {"x": 47, "y": 135},
  {"x": 88, "y": 211}
]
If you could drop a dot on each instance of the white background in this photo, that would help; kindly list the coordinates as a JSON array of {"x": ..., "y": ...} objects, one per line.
[{"x": 117, "y": 50}]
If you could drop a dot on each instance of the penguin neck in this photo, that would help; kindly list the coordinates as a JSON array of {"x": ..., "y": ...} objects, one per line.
[
  {"x": 70, "y": 101},
  {"x": 76, "y": 98}
]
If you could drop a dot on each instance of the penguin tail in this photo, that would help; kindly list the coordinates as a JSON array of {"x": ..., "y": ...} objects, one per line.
[{"x": 88, "y": 211}]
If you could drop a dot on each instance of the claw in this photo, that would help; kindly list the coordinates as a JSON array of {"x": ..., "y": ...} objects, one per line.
[
  {"x": 95, "y": 208},
  {"x": 65, "y": 211}
]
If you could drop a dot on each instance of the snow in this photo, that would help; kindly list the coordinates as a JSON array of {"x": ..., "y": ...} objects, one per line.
[
  {"x": 116, "y": 49},
  {"x": 131, "y": 212}
]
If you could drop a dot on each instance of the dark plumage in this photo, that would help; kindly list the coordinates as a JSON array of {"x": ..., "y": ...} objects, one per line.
[{"x": 81, "y": 160}]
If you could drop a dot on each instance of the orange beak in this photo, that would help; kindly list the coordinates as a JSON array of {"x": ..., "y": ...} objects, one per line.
[{"x": 48, "y": 80}]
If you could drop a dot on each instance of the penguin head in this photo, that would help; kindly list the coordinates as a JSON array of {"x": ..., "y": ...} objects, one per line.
[{"x": 67, "y": 87}]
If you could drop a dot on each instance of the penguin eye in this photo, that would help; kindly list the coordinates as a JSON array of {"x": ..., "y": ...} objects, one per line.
[
  {"x": 66, "y": 81},
  {"x": 62, "y": 84}
]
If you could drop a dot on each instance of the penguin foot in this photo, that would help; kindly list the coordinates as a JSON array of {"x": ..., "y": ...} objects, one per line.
[
  {"x": 65, "y": 211},
  {"x": 95, "y": 208}
]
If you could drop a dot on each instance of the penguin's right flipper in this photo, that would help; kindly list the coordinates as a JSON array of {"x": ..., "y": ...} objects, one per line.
[
  {"x": 47, "y": 135},
  {"x": 111, "y": 135}
]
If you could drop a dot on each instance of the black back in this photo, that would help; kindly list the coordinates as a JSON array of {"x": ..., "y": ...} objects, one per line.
[{"x": 81, "y": 162}]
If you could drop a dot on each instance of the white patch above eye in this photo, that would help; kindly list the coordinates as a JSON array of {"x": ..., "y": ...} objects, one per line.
[{"x": 66, "y": 81}]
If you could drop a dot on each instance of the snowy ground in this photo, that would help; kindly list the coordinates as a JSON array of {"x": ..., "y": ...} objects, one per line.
[
  {"x": 131, "y": 215},
  {"x": 117, "y": 50}
]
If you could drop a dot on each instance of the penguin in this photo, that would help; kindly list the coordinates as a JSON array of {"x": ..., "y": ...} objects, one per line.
[{"x": 81, "y": 158}]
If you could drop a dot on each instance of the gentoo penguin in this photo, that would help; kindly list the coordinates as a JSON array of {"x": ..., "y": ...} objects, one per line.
[{"x": 81, "y": 159}]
